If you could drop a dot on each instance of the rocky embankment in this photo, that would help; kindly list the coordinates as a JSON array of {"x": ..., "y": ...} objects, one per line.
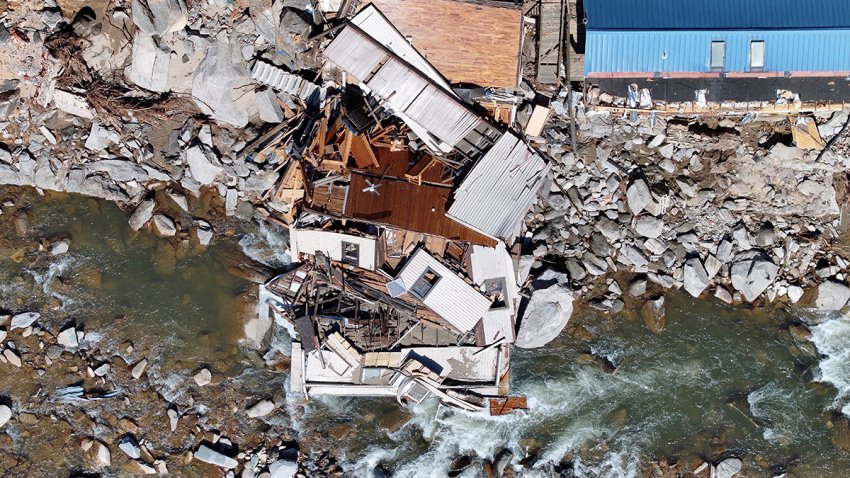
[{"x": 722, "y": 208}]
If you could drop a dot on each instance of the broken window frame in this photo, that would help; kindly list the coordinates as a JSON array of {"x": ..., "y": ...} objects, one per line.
[
  {"x": 754, "y": 55},
  {"x": 347, "y": 257},
  {"x": 718, "y": 47},
  {"x": 418, "y": 289}
]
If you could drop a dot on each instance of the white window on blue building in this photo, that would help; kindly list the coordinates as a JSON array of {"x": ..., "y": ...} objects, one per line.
[
  {"x": 757, "y": 55},
  {"x": 718, "y": 55}
]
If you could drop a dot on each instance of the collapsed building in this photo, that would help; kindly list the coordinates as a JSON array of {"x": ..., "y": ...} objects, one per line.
[{"x": 405, "y": 208}]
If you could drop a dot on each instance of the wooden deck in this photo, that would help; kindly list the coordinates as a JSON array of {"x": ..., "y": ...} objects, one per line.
[
  {"x": 467, "y": 41},
  {"x": 408, "y": 206}
]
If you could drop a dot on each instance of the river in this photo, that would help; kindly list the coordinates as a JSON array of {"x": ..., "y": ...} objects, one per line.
[{"x": 717, "y": 381}]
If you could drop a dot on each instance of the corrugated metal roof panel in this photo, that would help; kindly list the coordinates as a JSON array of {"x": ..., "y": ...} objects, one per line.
[
  {"x": 664, "y": 51},
  {"x": 451, "y": 297},
  {"x": 373, "y": 23},
  {"x": 494, "y": 197},
  {"x": 715, "y": 14},
  {"x": 356, "y": 53}
]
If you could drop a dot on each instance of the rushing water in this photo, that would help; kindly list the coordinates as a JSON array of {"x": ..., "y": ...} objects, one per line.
[{"x": 718, "y": 381}]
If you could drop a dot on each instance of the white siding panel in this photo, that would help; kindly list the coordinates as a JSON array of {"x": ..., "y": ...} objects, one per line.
[
  {"x": 494, "y": 197},
  {"x": 471, "y": 364},
  {"x": 451, "y": 297},
  {"x": 355, "y": 53},
  {"x": 309, "y": 241}
]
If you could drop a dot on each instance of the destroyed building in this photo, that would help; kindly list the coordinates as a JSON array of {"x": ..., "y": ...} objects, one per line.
[
  {"x": 405, "y": 206},
  {"x": 739, "y": 51}
]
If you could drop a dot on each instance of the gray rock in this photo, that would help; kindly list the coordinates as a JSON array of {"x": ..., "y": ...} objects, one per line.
[
  {"x": 283, "y": 469},
  {"x": 270, "y": 111},
  {"x": 22, "y": 321},
  {"x": 172, "y": 419},
  {"x": 231, "y": 200},
  {"x": 208, "y": 455},
  {"x": 575, "y": 269},
  {"x": 546, "y": 315},
  {"x": 142, "y": 215},
  {"x": 99, "y": 137},
  {"x": 5, "y": 415},
  {"x": 609, "y": 228},
  {"x": 149, "y": 68},
  {"x": 68, "y": 337},
  {"x": 204, "y": 233},
  {"x": 649, "y": 226},
  {"x": 214, "y": 87},
  {"x": 795, "y": 293},
  {"x": 832, "y": 295},
  {"x": 203, "y": 377},
  {"x": 157, "y": 17},
  {"x": 261, "y": 408},
  {"x": 164, "y": 225},
  {"x": 696, "y": 278},
  {"x": 130, "y": 446},
  {"x": 752, "y": 273},
  {"x": 638, "y": 196},
  {"x": 59, "y": 247},
  {"x": 728, "y": 468},
  {"x": 119, "y": 170},
  {"x": 202, "y": 169},
  {"x": 638, "y": 287},
  {"x": 630, "y": 255},
  {"x": 180, "y": 200},
  {"x": 139, "y": 369},
  {"x": 723, "y": 294}
]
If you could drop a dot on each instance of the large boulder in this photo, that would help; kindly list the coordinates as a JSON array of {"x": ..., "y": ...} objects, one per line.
[
  {"x": 545, "y": 317},
  {"x": 157, "y": 17},
  {"x": 728, "y": 468},
  {"x": 218, "y": 84},
  {"x": 638, "y": 196},
  {"x": 142, "y": 215},
  {"x": 696, "y": 277},
  {"x": 150, "y": 64},
  {"x": 202, "y": 169},
  {"x": 752, "y": 273},
  {"x": 832, "y": 295}
]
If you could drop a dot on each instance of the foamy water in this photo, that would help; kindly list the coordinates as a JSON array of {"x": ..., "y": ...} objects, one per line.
[
  {"x": 269, "y": 246},
  {"x": 832, "y": 339}
]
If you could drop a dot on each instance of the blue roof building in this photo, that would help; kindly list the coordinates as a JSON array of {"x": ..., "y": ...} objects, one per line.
[{"x": 717, "y": 39}]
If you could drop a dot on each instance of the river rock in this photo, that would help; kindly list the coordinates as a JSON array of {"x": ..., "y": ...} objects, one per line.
[
  {"x": 261, "y": 408},
  {"x": 60, "y": 247},
  {"x": 5, "y": 415},
  {"x": 638, "y": 196},
  {"x": 202, "y": 169},
  {"x": 139, "y": 369},
  {"x": 832, "y": 295},
  {"x": 696, "y": 278},
  {"x": 99, "y": 454},
  {"x": 795, "y": 293},
  {"x": 22, "y": 321},
  {"x": 752, "y": 272},
  {"x": 142, "y": 215},
  {"x": 208, "y": 455},
  {"x": 654, "y": 314},
  {"x": 130, "y": 446},
  {"x": 157, "y": 17},
  {"x": 68, "y": 337},
  {"x": 728, "y": 468},
  {"x": 172, "y": 419},
  {"x": 164, "y": 225},
  {"x": 13, "y": 357},
  {"x": 283, "y": 469},
  {"x": 203, "y": 377},
  {"x": 546, "y": 315},
  {"x": 204, "y": 233}
]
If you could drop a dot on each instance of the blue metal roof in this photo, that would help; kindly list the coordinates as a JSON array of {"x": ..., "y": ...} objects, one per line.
[
  {"x": 689, "y": 51},
  {"x": 716, "y": 14}
]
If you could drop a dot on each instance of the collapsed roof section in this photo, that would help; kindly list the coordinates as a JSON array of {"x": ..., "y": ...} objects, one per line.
[
  {"x": 433, "y": 113},
  {"x": 494, "y": 197}
]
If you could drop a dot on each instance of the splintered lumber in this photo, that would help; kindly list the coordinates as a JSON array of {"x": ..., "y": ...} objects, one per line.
[
  {"x": 292, "y": 185},
  {"x": 362, "y": 152},
  {"x": 537, "y": 121},
  {"x": 503, "y": 406},
  {"x": 805, "y": 133},
  {"x": 418, "y": 169}
]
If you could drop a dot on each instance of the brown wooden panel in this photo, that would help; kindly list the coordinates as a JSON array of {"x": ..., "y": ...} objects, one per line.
[{"x": 467, "y": 42}]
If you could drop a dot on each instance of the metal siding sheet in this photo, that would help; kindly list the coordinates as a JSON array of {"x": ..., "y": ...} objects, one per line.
[
  {"x": 376, "y": 26},
  {"x": 715, "y": 14},
  {"x": 394, "y": 81},
  {"x": 451, "y": 297},
  {"x": 355, "y": 53},
  {"x": 798, "y": 50},
  {"x": 495, "y": 195}
]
